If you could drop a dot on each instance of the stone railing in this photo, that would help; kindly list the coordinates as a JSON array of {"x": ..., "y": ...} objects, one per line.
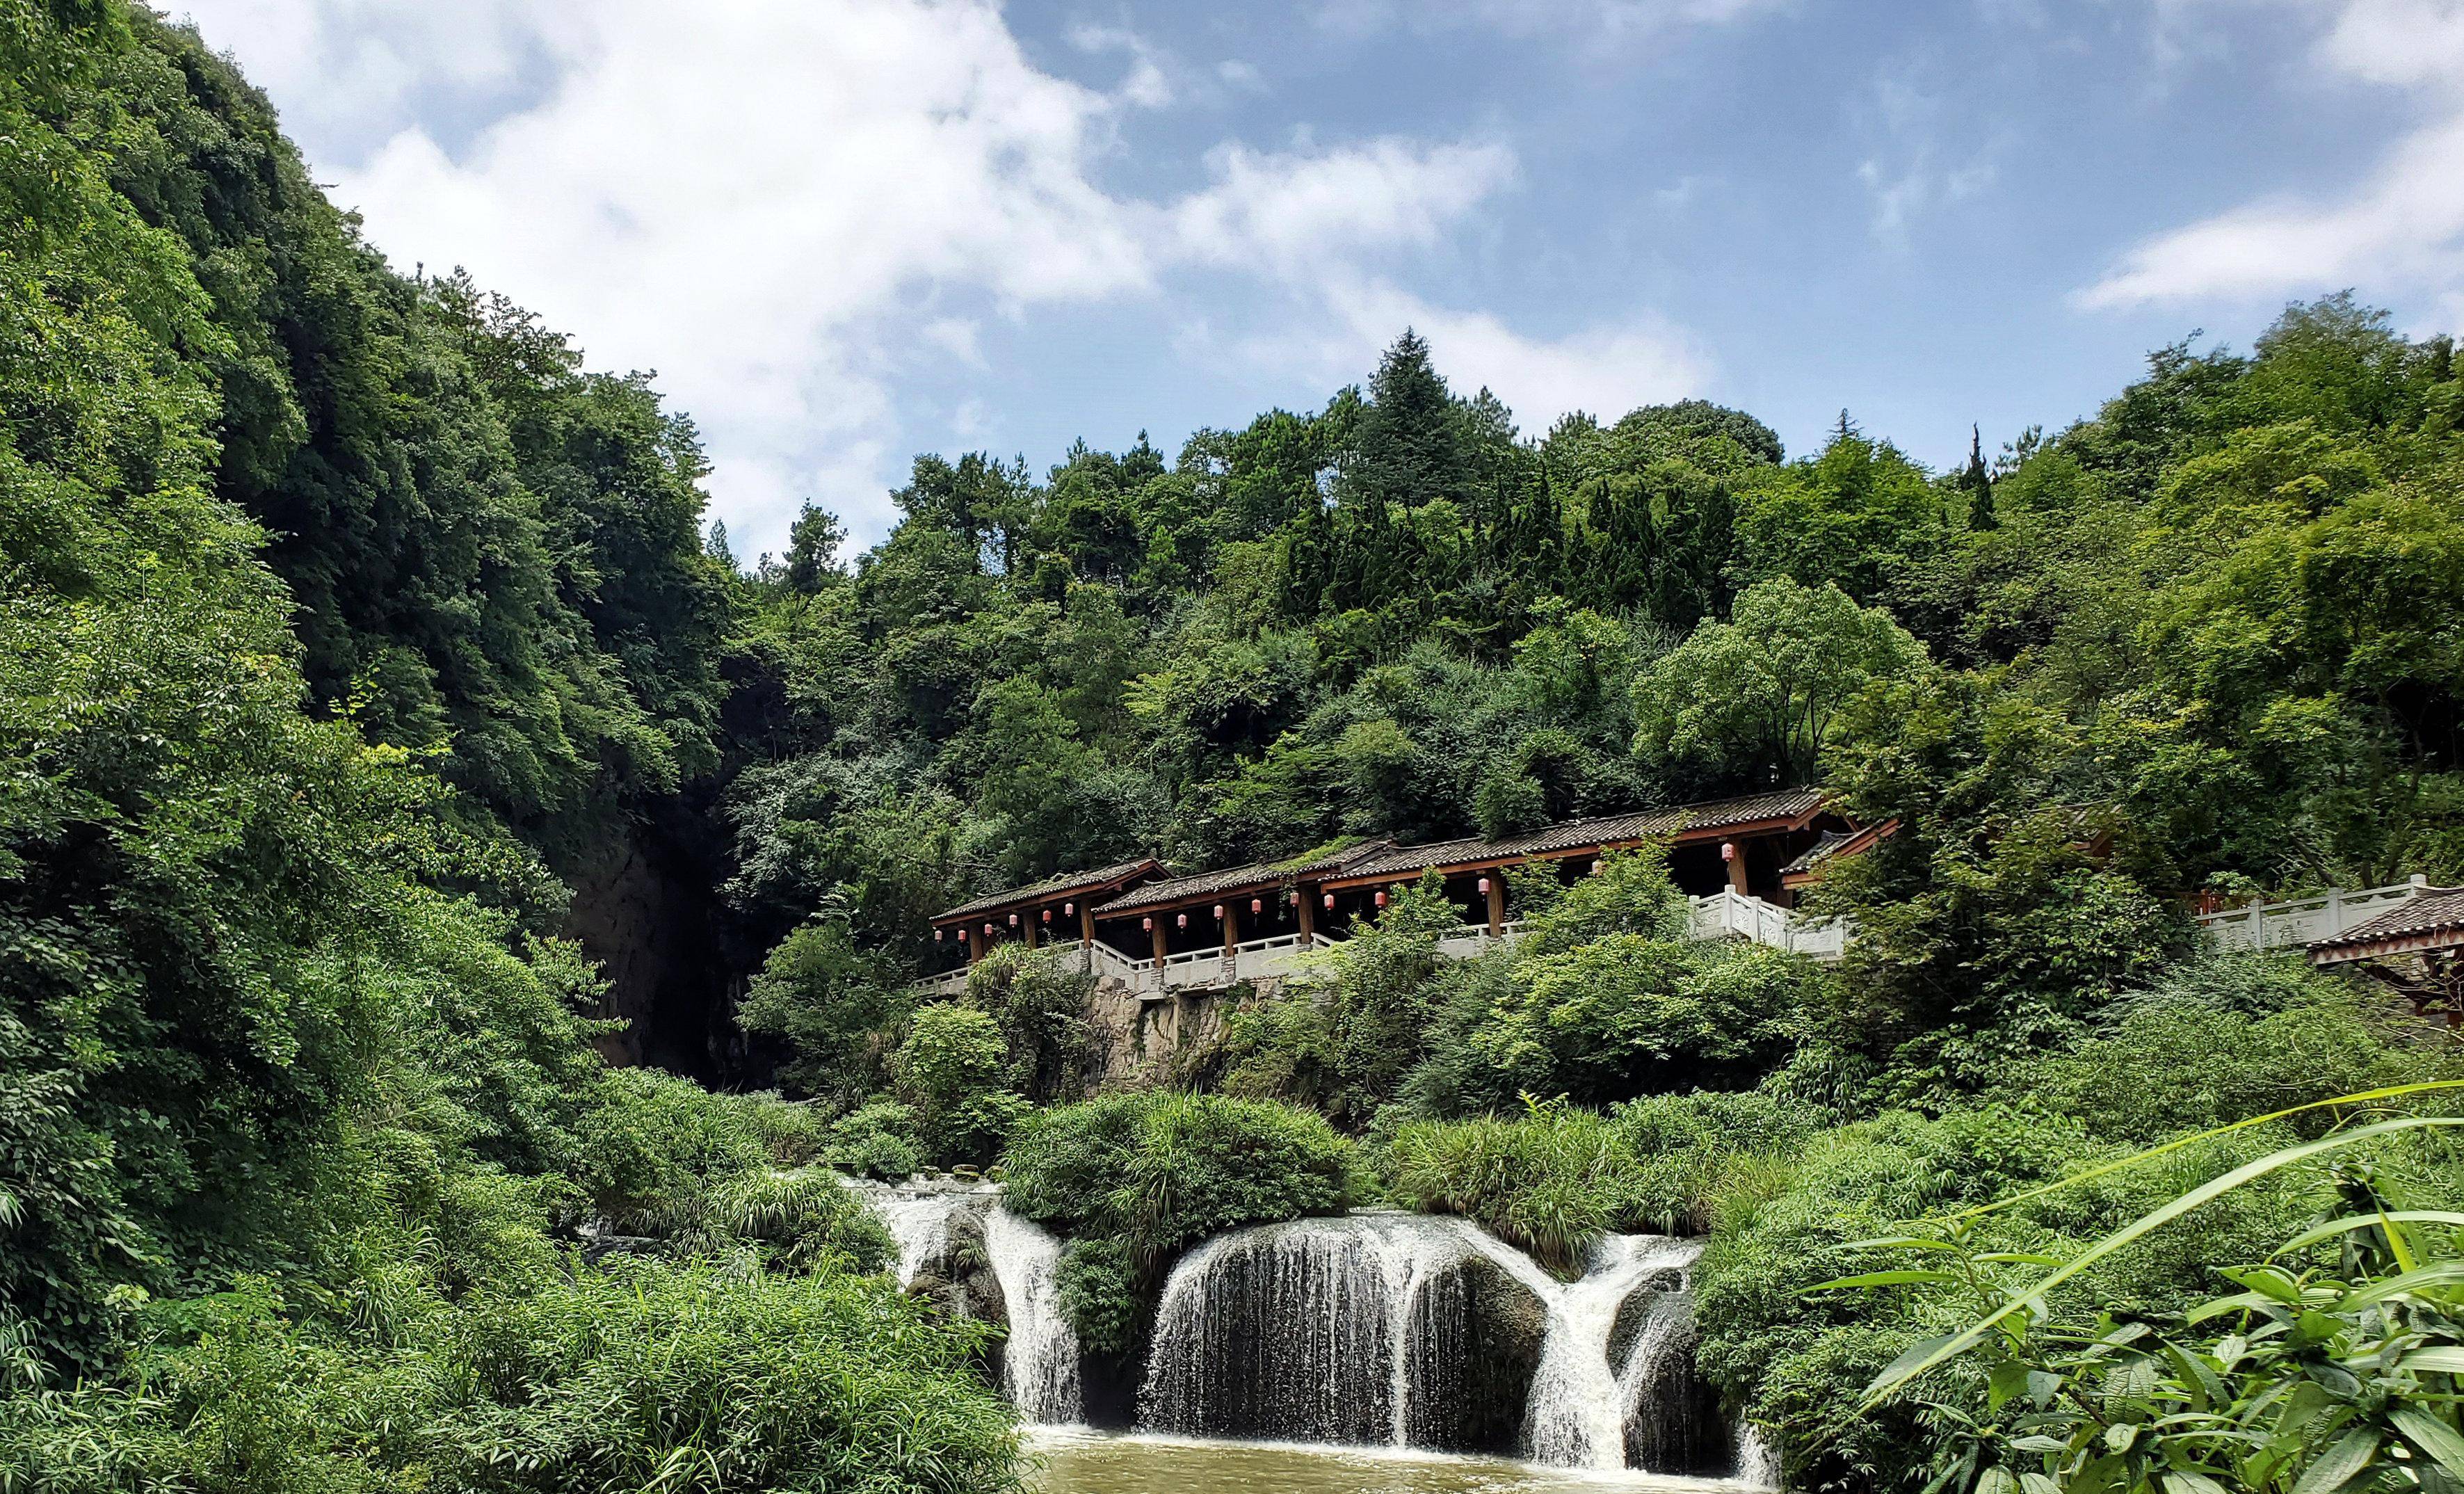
[
  {"x": 1721, "y": 915},
  {"x": 2302, "y": 920}
]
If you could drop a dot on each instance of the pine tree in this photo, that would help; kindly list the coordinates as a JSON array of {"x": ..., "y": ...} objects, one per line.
[{"x": 1976, "y": 481}]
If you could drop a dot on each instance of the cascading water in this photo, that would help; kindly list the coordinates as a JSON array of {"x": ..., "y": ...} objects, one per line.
[
  {"x": 1418, "y": 1332},
  {"x": 1040, "y": 1361},
  {"x": 918, "y": 1220},
  {"x": 1299, "y": 1331},
  {"x": 1577, "y": 1416}
]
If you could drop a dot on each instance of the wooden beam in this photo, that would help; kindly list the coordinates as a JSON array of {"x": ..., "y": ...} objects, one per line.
[
  {"x": 1308, "y": 906},
  {"x": 1159, "y": 949},
  {"x": 1231, "y": 925},
  {"x": 1496, "y": 906}
]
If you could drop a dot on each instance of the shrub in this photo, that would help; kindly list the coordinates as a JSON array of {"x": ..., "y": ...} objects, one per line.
[
  {"x": 948, "y": 1072},
  {"x": 651, "y": 1374},
  {"x": 876, "y": 1139},
  {"x": 1040, "y": 1007},
  {"x": 837, "y": 1007},
  {"x": 795, "y": 1218},
  {"x": 1148, "y": 1175}
]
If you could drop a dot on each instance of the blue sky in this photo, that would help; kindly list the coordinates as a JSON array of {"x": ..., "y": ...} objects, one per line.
[{"x": 847, "y": 230}]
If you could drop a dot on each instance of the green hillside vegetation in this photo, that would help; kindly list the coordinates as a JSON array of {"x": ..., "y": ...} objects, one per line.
[{"x": 345, "y": 615}]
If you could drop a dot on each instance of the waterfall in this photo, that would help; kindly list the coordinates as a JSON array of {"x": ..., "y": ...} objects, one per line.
[
  {"x": 1577, "y": 1416},
  {"x": 1757, "y": 1460},
  {"x": 1426, "y": 1331},
  {"x": 1375, "y": 1327},
  {"x": 1040, "y": 1361},
  {"x": 918, "y": 1220}
]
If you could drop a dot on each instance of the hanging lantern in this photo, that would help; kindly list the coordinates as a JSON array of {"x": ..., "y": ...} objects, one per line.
[
  {"x": 1147, "y": 924},
  {"x": 1218, "y": 912},
  {"x": 1329, "y": 902},
  {"x": 1182, "y": 919},
  {"x": 1257, "y": 905},
  {"x": 988, "y": 930},
  {"x": 1293, "y": 897},
  {"x": 1013, "y": 920},
  {"x": 936, "y": 934},
  {"x": 1047, "y": 915},
  {"x": 1484, "y": 887},
  {"x": 1381, "y": 899},
  {"x": 1068, "y": 909},
  {"x": 1597, "y": 866},
  {"x": 1728, "y": 850},
  {"x": 962, "y": 935}
]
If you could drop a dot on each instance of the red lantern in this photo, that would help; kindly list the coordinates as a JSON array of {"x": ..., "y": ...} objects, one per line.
[
  {"x": 1068, "y": 909},
  {"x": 962, "y": 935},
  {"x": 1013, "y": 920},
  {"x": 1147, "y": 924},
  {"x": 936, "y": 934},
  {"x": 1381, "y": 899},
  {"x": 1047, "y": 915},
  {"x": 1182, "y": 919},
  {"x": 1329, "y": 902},
  {"x": 1728, "y": 850},
  {"x": 1257, "y": 905},
  {"x": 988, "y": 930},
  {"x": 1218, "y": 912},
  {"x": 1484, "y": 887}
]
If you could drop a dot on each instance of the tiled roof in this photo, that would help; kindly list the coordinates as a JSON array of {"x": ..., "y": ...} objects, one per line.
[
  {"x": 1645, "y": 824},
  {"x": 1815, "y": 854},
  {"x": 1255, "y": 875},
  {"x": 1835, "y": 843},
  {"x": 2434, "y": 910},
  {"x": 1068, "y": 882}
]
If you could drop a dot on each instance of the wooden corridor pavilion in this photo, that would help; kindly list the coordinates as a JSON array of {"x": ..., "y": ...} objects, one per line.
[{"x": 1753, "y": 846}]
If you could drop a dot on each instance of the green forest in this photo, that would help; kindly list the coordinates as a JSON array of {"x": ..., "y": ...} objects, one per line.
[{"x": 355, "y": 627}]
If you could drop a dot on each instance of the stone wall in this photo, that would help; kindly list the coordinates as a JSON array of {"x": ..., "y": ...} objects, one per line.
[{"x": 1141, "y": 1042}]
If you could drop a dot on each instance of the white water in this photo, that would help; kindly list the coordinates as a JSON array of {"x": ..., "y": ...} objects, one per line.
[
  {"x": 1040, "y": 1361},
  {"x": 1579, "y": 1401},
  {"x": 1757, "y": 1460},
  {"x": 918, "y": 1220},
  {"x": 1344, "y": 1296}
]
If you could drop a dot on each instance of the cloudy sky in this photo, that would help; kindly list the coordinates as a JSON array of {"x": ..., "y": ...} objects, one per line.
[{"x": 843, "y": 231}]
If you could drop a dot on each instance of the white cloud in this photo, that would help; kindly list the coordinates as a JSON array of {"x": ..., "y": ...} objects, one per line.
[
  {"x": 1603, "y": 21},
  {"x": 1300, "y": 211},
  {"x": 775, "y": 203},
  {"x": 1604, "y": 369},
  {"x": 2402, "y": 223}
]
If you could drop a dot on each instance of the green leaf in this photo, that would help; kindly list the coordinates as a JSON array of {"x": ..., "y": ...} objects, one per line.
[
  {"x": 2334, "y": 1227},
  {"x": 1883, "y": 1279},
  {"x": 2019, "y": 1258},
  {"x": 1901, "y": 1243},
  {"x": 1997, "y": 1479},
  {"x": 2446, "y": 1360},
  {"x": 2431, "y": 1436},
  {"x": 1896, "y": 1372},
  {"x": 1959, "y": 1343},
  {"x": 2189, "y": 1480},
  {"x": 2335, "y": 1468},
  {"x": 2008, "y": 1378},
  {"x": 2445, "y": 1273},
  {"x": 2362, "y": 1097}
]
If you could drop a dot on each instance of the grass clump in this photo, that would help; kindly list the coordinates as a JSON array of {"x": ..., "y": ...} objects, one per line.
[{"x": 1554, "y": 1179}]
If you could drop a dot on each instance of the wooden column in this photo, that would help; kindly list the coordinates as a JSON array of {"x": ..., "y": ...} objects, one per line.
[
  {"x": 1734, "y": 856},
  {"x": 1231, "y": 926},
  {"x": 1158, "y": 941},
  {"x": 1087, "y": 924},
  {"x": 1026, "y": 927},
  {"x": 1307, "y": 906},
  {"x": 1496, "y": 901}
]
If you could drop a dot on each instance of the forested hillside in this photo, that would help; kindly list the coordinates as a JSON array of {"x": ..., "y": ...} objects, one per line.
[{"x": 386, "y": 749}]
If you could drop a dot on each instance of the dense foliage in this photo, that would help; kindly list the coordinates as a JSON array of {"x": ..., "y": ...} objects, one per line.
[
  {"x": 345, "y": 620},
  {"x": 1137, "y": 1178}
]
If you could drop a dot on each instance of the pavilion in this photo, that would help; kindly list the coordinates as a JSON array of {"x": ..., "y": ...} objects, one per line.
[{"x": 1753, "y": 846}]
